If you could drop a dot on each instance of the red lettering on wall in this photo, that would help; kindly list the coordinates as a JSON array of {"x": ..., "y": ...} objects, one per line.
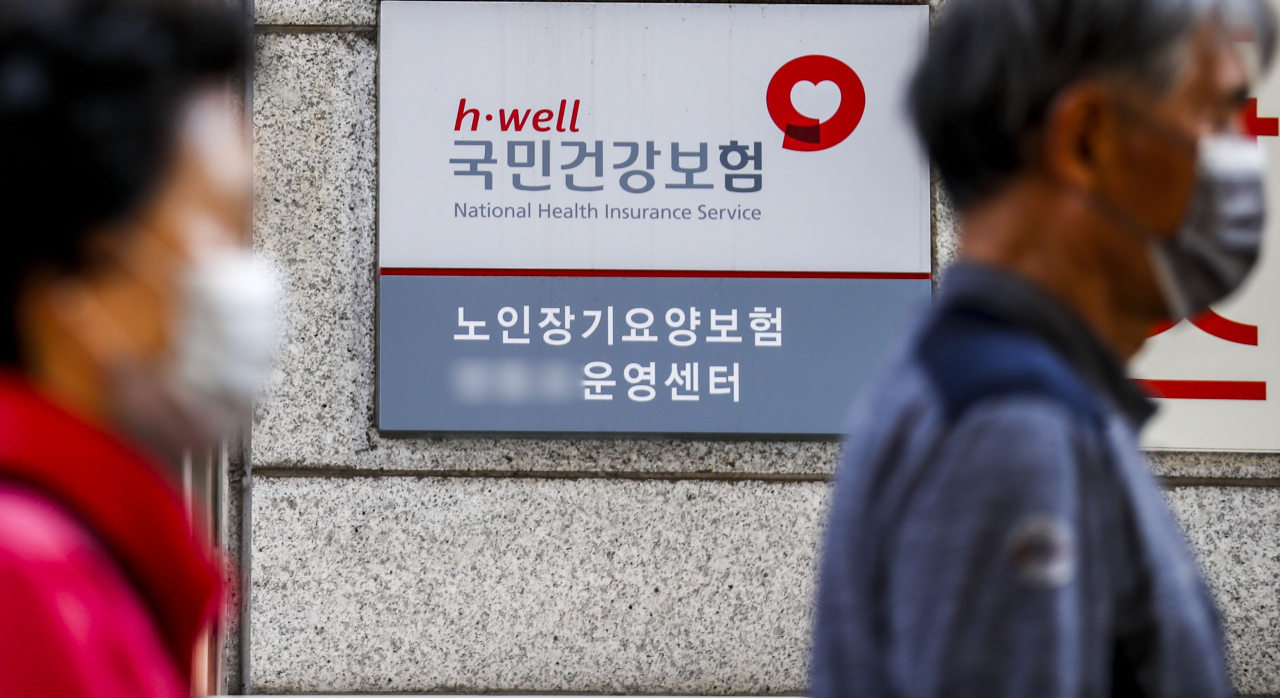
[
  {"x": 1206, "y": 390},
  {"x": 1254, "y": 125},
  {"x": 463, "y": 113},
  {"x": 1230, "y": 330},
  {"x": 1218, "y": 326},
  {"x": 517, "y": 119},
  {"x": 514, "y": 120}
]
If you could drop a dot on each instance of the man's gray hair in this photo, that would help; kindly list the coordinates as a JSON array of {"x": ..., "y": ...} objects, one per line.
[{"x": 993, "y": 68}]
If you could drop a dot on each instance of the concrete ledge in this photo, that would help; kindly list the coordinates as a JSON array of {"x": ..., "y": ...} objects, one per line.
[
  {"x": 1215, "y": 464},
  {"x": 466, "y": 585}
]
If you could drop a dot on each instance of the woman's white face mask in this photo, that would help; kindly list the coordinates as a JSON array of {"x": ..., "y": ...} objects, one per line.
[
  {"x": 225, "y": 333},
  {"x": 227, "y": 328}
]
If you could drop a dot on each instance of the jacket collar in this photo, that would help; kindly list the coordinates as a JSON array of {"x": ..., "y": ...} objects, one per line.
[
  {"x": 1027, "y": 307},
  {"x": 120, "y": 497}
]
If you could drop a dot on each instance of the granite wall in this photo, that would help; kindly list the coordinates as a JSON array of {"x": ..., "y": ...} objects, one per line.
[{"x": 471, "y": 566}]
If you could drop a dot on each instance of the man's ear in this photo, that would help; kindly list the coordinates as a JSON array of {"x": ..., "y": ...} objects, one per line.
[{"x": 1074, "y": 142}]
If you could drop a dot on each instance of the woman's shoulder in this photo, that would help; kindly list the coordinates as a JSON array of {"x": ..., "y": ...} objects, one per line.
[
  {"x": 34, "y": 529},
  {"x": 71, "y": 623}
]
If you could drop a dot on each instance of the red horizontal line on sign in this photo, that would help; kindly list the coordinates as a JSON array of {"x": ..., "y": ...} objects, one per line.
[
  {"x": 656, "y": 273},
  {"x": 1206, "y": 390}
]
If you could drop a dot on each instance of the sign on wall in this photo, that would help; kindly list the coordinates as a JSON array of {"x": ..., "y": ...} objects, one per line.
[
  {"x": 1219, "y": 374},
  {"x": 644, "y": 218}
]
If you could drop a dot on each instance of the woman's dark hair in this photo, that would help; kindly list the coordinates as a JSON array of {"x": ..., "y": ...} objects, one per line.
[{"x": 90, "y": 96}]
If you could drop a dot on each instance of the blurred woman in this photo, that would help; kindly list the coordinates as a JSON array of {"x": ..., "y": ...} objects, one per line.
[{"x": 132, "y": 325}]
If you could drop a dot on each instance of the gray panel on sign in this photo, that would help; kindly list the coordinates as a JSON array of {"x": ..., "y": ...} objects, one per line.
[{"x": 834, "y": 332}]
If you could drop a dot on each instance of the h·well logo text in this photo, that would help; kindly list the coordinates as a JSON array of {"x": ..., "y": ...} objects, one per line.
[{"x": 562, "y": 120}]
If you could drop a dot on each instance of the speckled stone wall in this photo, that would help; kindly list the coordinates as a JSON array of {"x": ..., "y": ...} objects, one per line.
[{"x": 512, "y": 566}]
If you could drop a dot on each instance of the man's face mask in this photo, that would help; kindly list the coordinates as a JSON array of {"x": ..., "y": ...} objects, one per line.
[{"x": 1220, "y": 237}]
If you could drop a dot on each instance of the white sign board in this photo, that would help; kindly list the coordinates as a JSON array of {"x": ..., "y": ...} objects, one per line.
[
  {"x": 649, "y": 218},
  {"x": 637, "y": 74}
]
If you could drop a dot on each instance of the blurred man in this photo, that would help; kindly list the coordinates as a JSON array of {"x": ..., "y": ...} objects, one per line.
[
  {"x": 994, "y": 530},
  {"x": 132, "y": 324}
]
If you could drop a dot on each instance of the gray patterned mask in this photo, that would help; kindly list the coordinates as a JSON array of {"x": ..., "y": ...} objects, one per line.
[{"x": 1221, "y": 236}]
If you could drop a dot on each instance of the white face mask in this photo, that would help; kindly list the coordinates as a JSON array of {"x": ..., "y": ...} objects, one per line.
[
  {"x": 1220, "y": 238},
  {"x": 226, "y": 332},
  {"x": 228, "y": 328}
]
